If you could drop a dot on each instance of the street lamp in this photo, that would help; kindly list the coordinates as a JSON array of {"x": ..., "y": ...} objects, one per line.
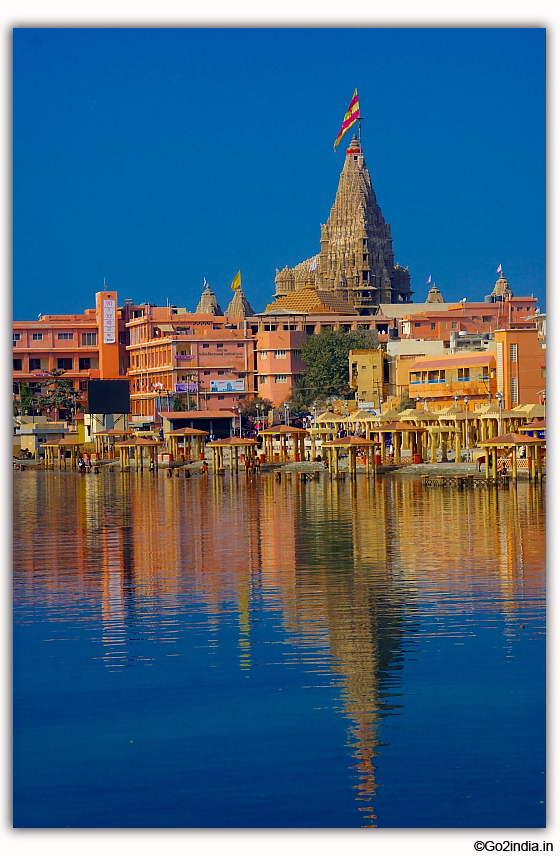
[
  {"x": 500, "y": 397},
  {"x": 544, "y": 401},
  {"x": 467, "y": 426},
  {"x": 286, "y": 412},
  {"x": 315, "y": 411}
]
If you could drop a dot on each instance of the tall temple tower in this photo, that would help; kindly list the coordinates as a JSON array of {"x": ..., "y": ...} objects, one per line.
[{"x": 356, "y": 261}]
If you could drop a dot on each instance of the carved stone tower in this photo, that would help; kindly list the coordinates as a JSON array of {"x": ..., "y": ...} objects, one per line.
[{"x": 356, "y": 259}]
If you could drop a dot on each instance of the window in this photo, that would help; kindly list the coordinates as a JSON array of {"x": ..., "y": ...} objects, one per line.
[
  {"x": 514, "y": 391},
  {"x": 454, "y": 325},
  {"x": 513, "y": 353},
  {"x": 17, "y": 338},
  {"x": 279, "y": 355},
  {"x": 263, "y": 379},
  {"x": 419, "y": 324},
  {"x": 221, "y": 397},
  {"x": 281, "y": 378},
  {"x": 65, "y": 363},
  {"x": 219, "y": 344},
  {"x": 206, "y": 372},
  {"x": 543, "y": 371},
  {"x": 263, "y": 355},
  {"x": 34, "y": 364},
  {"x": 486, "y": 318},
  {"x": 83, "y": 388},
  {"x": 433, "y": 326},
  {"x": 222, "y": 372},
  {"x": 240, "y": 344},
  {"x": 91, "y": 339},
  {"x": 85, "y": 364},
  {"x": 66, "y": 336},
  {"x": 464, "y": 374},
  {"x": 205, "y": 345},
  {"x": 297, "y": 353},
  {"x": 37, "y": 337},
  {"x": 18, "y": 365}
]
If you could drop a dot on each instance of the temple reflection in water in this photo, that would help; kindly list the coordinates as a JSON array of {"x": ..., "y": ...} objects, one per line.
[{"x": 348, "y": 567}]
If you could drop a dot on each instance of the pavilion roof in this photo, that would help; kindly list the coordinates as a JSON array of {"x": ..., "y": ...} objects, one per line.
[
  {"x": 512, "y": 439},
  {"x": 539, "y": 425},
  {"x": 283, "y": 429},
  {"x": 363, "y": 416},
  {"x": 182, "y": 432},
  {"x": 329, "y": 416},
  {"x": 351, "y": 441}
]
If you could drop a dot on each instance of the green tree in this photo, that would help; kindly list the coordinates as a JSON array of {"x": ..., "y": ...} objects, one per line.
[
  {"x": 406, "y": 400},
  {"x": 27, "y": 398},
  {"x": 248, "y": 407},
  {"x": 61, "y": 395},
  {"x": 326, "y": 354}
]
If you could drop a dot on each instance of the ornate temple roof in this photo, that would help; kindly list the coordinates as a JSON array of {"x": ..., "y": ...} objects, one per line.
[
  {"x": 356, "y": 259},
  {"x": 435, "y": 295},
  {"x": 208, "y": 303},
  {"x": 502, "y": 289},
  {"x": 239, "y": 306},
  {"x": 312, "y": 300}
]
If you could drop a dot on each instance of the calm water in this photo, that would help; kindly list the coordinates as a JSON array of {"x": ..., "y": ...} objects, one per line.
[{"x": 200, "y": 653}]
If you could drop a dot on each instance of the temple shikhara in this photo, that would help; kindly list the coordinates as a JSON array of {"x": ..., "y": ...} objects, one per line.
[{"x": 356, "y": 263}]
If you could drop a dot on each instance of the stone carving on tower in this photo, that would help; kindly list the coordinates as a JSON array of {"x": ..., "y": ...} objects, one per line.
[
  {"x": 502, "y": 289},
  {"x": 356, "y": 261},
  {"x": 239, "y": 306},
  {"x": 208, "y": 303},
  {"x": 435, "y": 295}
]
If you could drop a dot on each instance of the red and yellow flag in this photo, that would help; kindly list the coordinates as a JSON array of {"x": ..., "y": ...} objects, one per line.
[{"x": 352, "y": 115}]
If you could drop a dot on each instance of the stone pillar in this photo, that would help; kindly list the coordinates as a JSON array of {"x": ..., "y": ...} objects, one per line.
[
  {"x": 487, "y": 462},
  {"x": 433, "y": 439},
  {"x": 514, "y": 463},
  {"x": 457, "y": 443}
]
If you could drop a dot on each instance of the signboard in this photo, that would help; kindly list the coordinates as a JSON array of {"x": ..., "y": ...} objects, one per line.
[
  {"x": 184, "y": 356},
  {"x": 109, "y": 321},
  {"x": 186, "y": 387},
  {"x": 227, "y": 386}
]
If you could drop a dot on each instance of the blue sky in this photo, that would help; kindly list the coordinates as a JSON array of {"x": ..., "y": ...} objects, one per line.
[{"x": 156, "y": 157}]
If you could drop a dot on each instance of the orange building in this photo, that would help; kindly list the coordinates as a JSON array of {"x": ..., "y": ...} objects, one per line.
[
  {"x": 205, "y": 360},
  {"x": 438, "y": 323},
  {"x": 440, "y": 379},
  {"x": 521, "y": 367},
  {"x": 86, "y": 347}
]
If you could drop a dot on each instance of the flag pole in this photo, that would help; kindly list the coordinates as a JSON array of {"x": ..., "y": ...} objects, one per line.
[{"x": 360, "y": 130}]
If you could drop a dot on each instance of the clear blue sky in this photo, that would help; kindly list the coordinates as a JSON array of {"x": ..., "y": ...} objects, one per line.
[{"x": 157, "y": 157}]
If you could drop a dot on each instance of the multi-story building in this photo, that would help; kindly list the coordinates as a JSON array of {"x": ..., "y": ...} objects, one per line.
[
  {"x": 85, "y": 347},
  {"x": 205, "y": 361},
  {"x": 440, "y": 380},
  {"x": 369, "y": 377},
  {"x": 521, "y": 367}
]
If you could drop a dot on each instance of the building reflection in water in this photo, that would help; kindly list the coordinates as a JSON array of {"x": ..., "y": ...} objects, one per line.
[{"x": 350, "y": 567}]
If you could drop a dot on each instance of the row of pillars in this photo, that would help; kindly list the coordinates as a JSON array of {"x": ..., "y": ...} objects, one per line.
[
  {"x": 56, "y": 456},
  {"x": 299, "y": 447},
  {"x": 125, "y": 457},
  {"x": 535, "y": 463}
]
